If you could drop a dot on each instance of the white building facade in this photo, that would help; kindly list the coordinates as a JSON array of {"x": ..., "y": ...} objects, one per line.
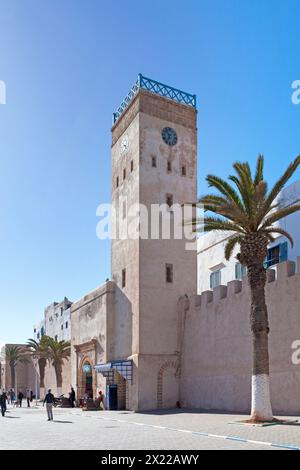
[{"x": 56, "y": 322}]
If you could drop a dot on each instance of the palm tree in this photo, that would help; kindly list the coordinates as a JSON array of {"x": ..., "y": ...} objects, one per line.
[
  {"x": 39, "y": 351},
  {"x": 249, "y": 211},
  {"x": 15, "y": 355},
  {"x": 58, "y": 351}
]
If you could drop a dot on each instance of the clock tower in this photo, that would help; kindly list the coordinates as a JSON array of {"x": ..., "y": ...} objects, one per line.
[{"x": 154, "y": 157}]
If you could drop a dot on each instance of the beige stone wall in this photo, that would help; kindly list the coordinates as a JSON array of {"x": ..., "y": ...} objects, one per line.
[
  {"x": 25, "y": 373},
  {"x": 50, "y": 379},
  {"x": 217, "y": 348},
  {"x": 90, "y": 317}
]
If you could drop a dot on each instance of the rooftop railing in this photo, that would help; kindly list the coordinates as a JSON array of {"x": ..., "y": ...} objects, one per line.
[{"x": 157, "y": 88}]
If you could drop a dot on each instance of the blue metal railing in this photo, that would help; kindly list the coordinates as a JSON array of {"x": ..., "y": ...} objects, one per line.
[{"x": 159, "y": 89}]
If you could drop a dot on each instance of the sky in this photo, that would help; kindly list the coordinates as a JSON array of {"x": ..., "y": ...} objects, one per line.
[{"x": 67, "y": 64}]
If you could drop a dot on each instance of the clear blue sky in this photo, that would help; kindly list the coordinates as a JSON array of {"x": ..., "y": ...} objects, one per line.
[{"x": 67, "y": 64}]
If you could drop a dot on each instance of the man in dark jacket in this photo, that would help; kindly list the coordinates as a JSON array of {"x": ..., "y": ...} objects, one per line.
[
  {"x": 72, "y": 397},
  {"x": 20, "y": 398},
  {"x": 50, "y": 401},
  {"x": 3, "y": 400}
]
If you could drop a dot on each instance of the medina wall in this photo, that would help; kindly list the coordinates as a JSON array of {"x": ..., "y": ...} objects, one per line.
[
  {"x": 25, "y": 376},
  {"x": 217, "y": 347},
  {"x": 50, "y": 379}
]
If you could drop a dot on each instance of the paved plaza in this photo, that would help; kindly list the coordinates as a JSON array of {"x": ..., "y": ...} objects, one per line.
[{"x": 123, "y": 430}]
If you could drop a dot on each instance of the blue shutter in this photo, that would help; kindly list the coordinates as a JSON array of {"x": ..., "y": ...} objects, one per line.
[
  {"x": 215, "y": 279},
  {"x": 237, "y": 276},
  {"x": 283, "y": 252}
]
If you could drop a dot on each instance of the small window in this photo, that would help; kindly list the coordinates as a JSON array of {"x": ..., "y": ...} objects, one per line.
[
  {"x": 169, "y": 166},
  {"x": 183, "y": 170},
  {"x": 34, "y": 330},
  {"x": 276, "y": 254},
  {"x": 215, "y": 279},
  {"x": 62, "y": 327},
  {"x": 67, "y": 324},
  {"x": 61, "y": 310},
  {"x": 124, "y": 278},
  {"x": 117, "y": 182},
  {"x": 240, "y": 271},
  {"x": 169, "y": 200},
  {"x": 55, "y": 337},
  {"x": 169, "y": 273},
  {"x": 124, "y": 209},
  {"x": 153, "y": 162},
  {"x": 124, "y": 174},
  {"x": 38, "y": 336},
  {"x": 131, "y": 166}
]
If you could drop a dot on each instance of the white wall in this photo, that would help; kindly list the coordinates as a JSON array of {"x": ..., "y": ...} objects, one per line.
[{"x": 56, "y": 322}]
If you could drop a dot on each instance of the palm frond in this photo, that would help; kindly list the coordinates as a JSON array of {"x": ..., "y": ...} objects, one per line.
[
  {"x": 225, "y": 188},
  {"x": 216, "y": 223},
  {"x": 259, "y": 172},
  {"x": 281, "y": 231},
  {"x": 280, "y": 214},
  {"x": 230, "y": 245},
  {"x": 246, "y": 186},
  {"x": 281, "y": 183}
]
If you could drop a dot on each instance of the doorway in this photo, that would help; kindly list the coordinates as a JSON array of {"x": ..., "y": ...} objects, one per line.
[{"x": 87, "y": 381}]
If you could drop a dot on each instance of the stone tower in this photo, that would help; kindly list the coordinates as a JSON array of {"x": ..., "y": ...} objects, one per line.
[{"x": 154, "y": 158}]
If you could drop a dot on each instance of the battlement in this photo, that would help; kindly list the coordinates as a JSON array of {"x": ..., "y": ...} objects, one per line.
[{"x": 282, "y": 271}]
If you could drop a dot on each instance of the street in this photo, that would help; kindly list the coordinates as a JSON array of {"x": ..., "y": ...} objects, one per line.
[{"x": 124, "y": 430}]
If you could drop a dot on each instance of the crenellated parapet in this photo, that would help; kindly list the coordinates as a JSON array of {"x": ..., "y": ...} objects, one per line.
[{"x": 280, "y": 274}]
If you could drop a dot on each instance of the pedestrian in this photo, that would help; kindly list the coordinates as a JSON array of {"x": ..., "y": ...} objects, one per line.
[
  {"x": 72, "y": 397},
  {"x": 100, "y": 399},
  {"x": 31, "y": 395},
  {"x": 12, "y": 396},
  {"x": 28, "y": 397},
  {"x": 20, "y": 398},
  {"x": 50, "y": 401},
  {"x": 3, "y": 400}
]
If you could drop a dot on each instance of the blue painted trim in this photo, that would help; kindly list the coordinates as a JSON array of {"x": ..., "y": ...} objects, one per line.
[
  {"x": 285, "y": 446},
  {"x": 234, "y": 438},
  {"x": 157, "y": 88}
]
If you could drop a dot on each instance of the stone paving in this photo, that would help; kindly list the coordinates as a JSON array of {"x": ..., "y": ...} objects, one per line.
[{"x": 122, "y": 430}]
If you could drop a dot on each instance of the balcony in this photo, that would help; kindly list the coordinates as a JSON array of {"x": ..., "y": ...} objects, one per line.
[{"x": 158, "y": 89}]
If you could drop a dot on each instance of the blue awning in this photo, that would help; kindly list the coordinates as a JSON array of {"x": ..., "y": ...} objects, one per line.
[
  {"x": 103, "y": 367},
  {"x": 124, "y": 367}
]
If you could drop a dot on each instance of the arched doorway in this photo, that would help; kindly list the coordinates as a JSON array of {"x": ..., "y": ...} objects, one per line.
[
  {"x": 87, "y": 380},
  {"x": 168, "y": 385}
]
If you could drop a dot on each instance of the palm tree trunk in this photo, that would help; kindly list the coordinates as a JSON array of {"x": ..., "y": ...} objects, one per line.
[
  {"x": 13, "y": 376},
  {"x": 42, "y": 366},
  {"x": 58, "y": 374},
  {"x": 261, "y": 409}
]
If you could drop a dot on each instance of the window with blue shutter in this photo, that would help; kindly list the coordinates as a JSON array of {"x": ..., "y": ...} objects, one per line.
[
  {"x": 276, "y": 254},
  {"x": 240, "y": 271},
  {"x": 215, "y": 279},
  {"x": 283, "y": 252}
]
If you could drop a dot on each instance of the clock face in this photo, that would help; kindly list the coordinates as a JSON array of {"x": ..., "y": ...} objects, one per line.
[
  {"x": 124, "y": 144},
  {"x": 169, "y": 136}
]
